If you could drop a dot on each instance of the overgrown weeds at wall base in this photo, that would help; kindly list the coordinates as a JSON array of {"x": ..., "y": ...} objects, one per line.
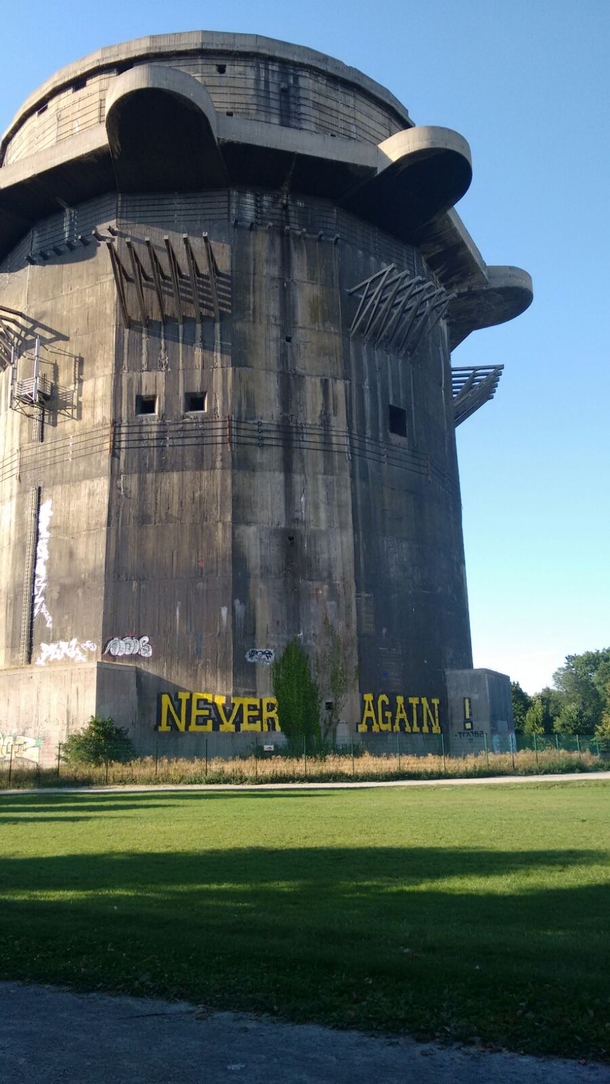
[{"x": 331, "y": 768}]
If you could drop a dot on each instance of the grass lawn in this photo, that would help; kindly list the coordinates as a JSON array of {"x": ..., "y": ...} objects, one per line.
[{"x": 449, "y": 913}]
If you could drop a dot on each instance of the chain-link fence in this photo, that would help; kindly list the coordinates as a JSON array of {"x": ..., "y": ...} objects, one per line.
[{"x": 361, "y": 758}]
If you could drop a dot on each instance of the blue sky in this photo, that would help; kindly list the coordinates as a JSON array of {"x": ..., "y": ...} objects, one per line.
[{"x": 527, "y": 84}]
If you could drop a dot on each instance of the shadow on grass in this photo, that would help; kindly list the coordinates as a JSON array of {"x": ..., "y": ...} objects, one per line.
[
  {"x": 86, "y": 806},
  {"x": 512, "y": 946}
]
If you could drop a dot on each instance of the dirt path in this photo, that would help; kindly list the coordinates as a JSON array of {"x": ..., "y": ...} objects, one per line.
[
  {"x": 58, "y": 1037},
  {"x": 497, "y": 780}
]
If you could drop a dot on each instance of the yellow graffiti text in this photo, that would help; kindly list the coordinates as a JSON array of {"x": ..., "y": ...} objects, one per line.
[
  {"x": 202, "y": 713},
  {"x": 386, "y": 712}
]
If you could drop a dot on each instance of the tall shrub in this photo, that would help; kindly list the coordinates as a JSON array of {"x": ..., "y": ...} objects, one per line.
[{"x": 297, "y": 693}]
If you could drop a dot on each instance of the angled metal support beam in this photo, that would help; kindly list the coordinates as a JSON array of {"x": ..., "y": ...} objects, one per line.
[
  {"x": 194, "y": 275},
  {"x": 158, "y": 274},
  {"x": 367, "y": 311},
  {"x": 413, "y": 314},
  {"x": 434, "y": 312},
  {"x": 212, "y": 272},
  {"x": 120, "y": 277},
  {"x": 138, "y": 277},
  {"x": 415, "y": 285},
  {"x": 175, "y": 275},
  {"x": 381, "y": 319}
]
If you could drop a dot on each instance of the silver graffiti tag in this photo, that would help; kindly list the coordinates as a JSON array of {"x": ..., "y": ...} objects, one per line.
[
  {"x": 266, "y": 655},
  {"x": 129, "y": 645}
]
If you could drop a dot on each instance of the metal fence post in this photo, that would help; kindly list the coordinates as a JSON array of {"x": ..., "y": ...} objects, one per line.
[
  {"x": 206, "y": 756},
  {"x": 58, "y": 758},
  {"x": 536, "y": 746},
  {"x": 156, "y": 758},
  {"x": 305, "y": 754},
  {"x": 353, "y": 763},
  {"x": 557, "y": 741},
  {"x": 578, "y": 744},
  {"x": 10, "y": 765},
  {"x": 512, "y": 749},
  {"x": 443, "y": 753},
  {"x": 256, "y": 758},
  {"x": 398, "y": 748},
  {"x": 486, "y": 748}
]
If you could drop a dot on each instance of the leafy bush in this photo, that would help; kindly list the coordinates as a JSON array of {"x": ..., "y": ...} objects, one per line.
[
  {"x": 297, "y": 693},
  {"x": 101, "y": 741}
]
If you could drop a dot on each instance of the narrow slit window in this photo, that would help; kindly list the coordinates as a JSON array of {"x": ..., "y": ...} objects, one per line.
[
  {"x": 146, "y": 404},
  {"x": 195, "y": 402},
  {"x": 397, "y": 420}
]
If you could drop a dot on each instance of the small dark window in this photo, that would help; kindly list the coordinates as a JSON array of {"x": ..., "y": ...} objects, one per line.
[
  {"x": 397, "y": 420},
  {"x": 289, "y": 338},
  {"x": 229, "y": 114},
  {"x": 42, "y": 109},
  {"x": 221, "y": 68},
  {"x": 194, "y": 402},
  {"x": 146, "y": 404},
  {"x": 80, "y": 84}
]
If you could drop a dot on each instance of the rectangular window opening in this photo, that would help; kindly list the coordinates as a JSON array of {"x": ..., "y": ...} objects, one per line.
[
  {"x": 146, "y": 404},
  {"x": 397, "y": 420},
  {"x": 194, "y": 402}
]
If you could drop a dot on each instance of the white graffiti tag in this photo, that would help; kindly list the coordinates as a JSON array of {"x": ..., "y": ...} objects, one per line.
[
  {"x": 18, "y": 747},
  {"x": 266, "y": 655},
  {"x": 129, "y": 645},
  {"x": 76, "y": 650},
  {"x": 42, "y": 556}
]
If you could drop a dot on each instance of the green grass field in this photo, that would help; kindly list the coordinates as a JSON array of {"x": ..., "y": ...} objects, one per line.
[{"x": 443, "y": 912}]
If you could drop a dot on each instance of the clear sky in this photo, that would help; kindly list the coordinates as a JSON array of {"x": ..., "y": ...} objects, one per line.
[{"x": 527, "y": 83}]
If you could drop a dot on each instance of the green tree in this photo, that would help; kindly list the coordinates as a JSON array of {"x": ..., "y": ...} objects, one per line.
[
  {"x": 521, "y": 705},
  {"x": 99, "y": 742},
  {"x": 583, "y": 682},
  {"x": 297, "y": 693},
  {"x": 543, "y": 712}
]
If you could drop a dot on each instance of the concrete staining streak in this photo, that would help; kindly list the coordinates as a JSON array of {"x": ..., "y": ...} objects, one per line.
[
  {"x": 240, "y": 613},
  {"x": 75, "y": 650},
  {"x": 129, "y": 645},
  {"x": 42, "y": 556},
  {"x": 265, "y": 655}
]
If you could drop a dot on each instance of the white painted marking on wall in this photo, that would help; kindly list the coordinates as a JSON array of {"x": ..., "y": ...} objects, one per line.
[
  {"x": 265, "y": 655},
  {"x": 129, "y": 645},
  {"x": 74, "y": 649},
  {"x": 42, "y": 556},
  {"x": 224, "y": 614}
]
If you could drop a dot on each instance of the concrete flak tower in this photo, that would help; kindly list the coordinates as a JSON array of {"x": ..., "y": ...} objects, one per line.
[{"x": 231, "y": 279}]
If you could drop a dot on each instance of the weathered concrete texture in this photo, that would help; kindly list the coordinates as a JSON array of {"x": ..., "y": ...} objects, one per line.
[
  {"x": 480, "y": 707},
  {"x": 56, "y": 1036},
  {"x": 245, "y": 428}
]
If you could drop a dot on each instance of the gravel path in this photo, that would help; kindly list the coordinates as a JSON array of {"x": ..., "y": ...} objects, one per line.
[
  {"x": 56, "y": 1037},
  {"x": 497, "y": 780}
]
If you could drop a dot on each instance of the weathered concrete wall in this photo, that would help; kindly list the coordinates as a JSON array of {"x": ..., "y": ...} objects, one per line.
[
  {"x": 249, "y": 431},
  {"x": 480, "y": 711}
]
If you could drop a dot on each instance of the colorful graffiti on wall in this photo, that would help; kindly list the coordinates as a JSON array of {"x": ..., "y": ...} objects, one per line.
[
  {"x": 412, "y": 714},
  {"x": 74, "y": 650},
  {"x": 20, "y": 747},
  {"x": 129, "y": 645},
  {"x": 207, "y": 712},
  {"x": 204, "y": 712}
]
